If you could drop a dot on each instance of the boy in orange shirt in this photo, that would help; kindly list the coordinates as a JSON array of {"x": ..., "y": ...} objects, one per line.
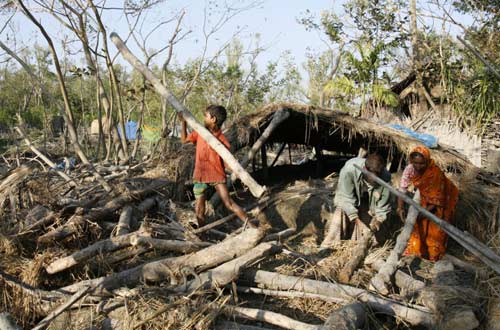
[{"x": 209, "y": 166}]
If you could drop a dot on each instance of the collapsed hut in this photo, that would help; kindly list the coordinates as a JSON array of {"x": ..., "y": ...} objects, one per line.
[{"x": 78, "y": 257}]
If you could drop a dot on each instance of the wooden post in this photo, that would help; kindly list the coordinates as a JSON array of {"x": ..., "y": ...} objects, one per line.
[
  {"x": 282, "y": 147},
  {"x": 256, "y": 189},
  {"x": 263, "y": 157}
]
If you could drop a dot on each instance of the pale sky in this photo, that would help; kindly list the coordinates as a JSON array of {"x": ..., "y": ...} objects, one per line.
[{"x": 274, "y": 20}]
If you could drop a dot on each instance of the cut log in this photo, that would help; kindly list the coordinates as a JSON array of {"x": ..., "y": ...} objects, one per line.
[
  {"x": 407, "y": 285},
  {"x": 229, "y": 271},
  {"x": 290, "y": 294},
  {"x": 168, "y": 245},
  {"x": 123, "y": 226},
  {"x": 269, "y": 317},
  {"x": 100, "y": 247},
  {"x": 73, "y": 225},
  {"x": 349, "y": 317},
  {"x": 469, "y": 242},
  {"x": 8, "y": 184},
  {"x": 414, "y": 315},
  {"x": 383, "y": 277},
  {"x": 163, "y": 269},
  {"x": 256, "y": 189},
  {"x": 98, "y": 214},
  {"x": 359, "y": 255}
]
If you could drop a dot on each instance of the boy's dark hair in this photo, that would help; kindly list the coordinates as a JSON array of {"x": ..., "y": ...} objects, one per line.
[
  {"x": 219, "y": 112},
  {"x": 375, "y": 163}
]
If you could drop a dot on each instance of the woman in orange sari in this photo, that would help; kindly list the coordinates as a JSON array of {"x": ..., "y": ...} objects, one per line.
[{"x": 437, "y": 194}]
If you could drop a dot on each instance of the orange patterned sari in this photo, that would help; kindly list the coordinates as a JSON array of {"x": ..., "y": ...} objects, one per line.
[{"x": 427, "y": 239}]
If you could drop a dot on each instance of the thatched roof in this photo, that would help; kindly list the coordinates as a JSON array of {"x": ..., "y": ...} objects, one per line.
[
  {"x": 341, "y": 132},
  {"x": 338, "y": 131}
]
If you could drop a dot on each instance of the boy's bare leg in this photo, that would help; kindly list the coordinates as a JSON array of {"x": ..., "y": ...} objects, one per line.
[
  {"x": 229, "y": 202},
  {"x": 200, "y": 210}
]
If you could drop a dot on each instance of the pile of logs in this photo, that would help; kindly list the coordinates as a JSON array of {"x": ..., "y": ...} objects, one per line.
[
  {"x": 113, "y": 250},
  {"x": 110, "y": 249}
]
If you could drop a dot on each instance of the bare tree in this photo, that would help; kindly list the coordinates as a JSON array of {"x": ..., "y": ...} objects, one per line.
[{"x": 67, "y": 114}]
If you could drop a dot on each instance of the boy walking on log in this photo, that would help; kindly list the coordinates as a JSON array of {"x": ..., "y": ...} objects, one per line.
[{"x": 209, "y": 168}]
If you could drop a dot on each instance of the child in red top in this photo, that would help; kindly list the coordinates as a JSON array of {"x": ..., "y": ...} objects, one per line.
[{"x": 209, "y": 166}]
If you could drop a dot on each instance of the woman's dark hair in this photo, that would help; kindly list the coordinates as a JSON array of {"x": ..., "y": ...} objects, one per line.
[
  {"x": 219, "y": 112},
  {"x": 415, "y": 154}
]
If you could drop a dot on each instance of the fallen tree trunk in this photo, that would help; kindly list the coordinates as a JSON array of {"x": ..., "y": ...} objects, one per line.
[
  {"x": 349, "y": 317},
  {"x": 290, "y": 294},
  {"x": 383, "y": 277},
  {"x": 168, "y": 245},
  {"x": 256, "y": 189},
  {"x": 228, "y": 272},
  {"x": 163, "y": 269},
  {"x": 100, "y": 247},
  {"x": 414, "y": 315},
  {"x": 269, "y": 317}
]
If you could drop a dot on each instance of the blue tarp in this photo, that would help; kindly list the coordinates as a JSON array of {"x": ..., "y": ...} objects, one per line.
[
  {"x": 428, "y": 140},
  {"x": 130, "y": 130}
]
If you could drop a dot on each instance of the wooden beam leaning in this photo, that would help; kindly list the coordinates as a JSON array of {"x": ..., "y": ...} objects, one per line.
[
  {"x": 278, "y": 118},
  {"x": 469, "y": 242},
  {"x": 256, "y": 189},
  {"x": 380, "y": 280}
]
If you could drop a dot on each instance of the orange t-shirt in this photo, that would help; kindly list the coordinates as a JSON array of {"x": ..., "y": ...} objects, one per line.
[{"x": 208, "y": 166}]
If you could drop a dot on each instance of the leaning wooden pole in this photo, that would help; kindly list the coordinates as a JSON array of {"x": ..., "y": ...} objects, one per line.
[
  {"x": 379, "y": 282},
  {"x": 469, "y": 242},
  {"x": 256, "y": 189}
]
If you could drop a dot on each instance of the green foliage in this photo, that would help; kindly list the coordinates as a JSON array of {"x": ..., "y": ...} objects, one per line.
[{"x": 383, "y": 95}]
